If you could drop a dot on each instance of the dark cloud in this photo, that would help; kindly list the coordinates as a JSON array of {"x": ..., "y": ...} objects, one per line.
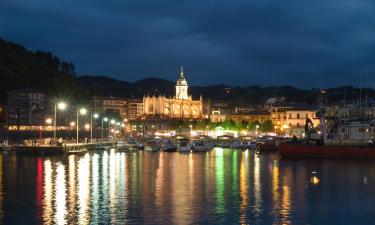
[{"x": 239, "y": 42}]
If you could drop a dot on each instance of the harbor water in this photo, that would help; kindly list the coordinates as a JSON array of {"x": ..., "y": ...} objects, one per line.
[{"x": 222, "y": 186}]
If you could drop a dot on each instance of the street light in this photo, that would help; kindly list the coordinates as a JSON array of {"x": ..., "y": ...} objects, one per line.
[
  {"x": 109, "y": 126},
  {"x": 95, "y": 116},
  {"x": 81, "y": 111},
  {"x": 256, "y": 131},
  {"x": 48, "y": 121},
  {"x": 104, "y": 119},
  {"x": 60, "y": 106}
]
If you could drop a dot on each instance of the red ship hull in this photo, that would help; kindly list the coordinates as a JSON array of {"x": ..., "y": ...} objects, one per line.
[
  {"x": 288, "y": 150},
  {"x": 267, "y": 147}
]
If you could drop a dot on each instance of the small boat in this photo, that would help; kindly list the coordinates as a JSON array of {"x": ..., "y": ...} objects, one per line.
[
  {"x": 168, "y": 146},
  {"x": 268, "y": 143},
  {"x": 236, "y": 144},
  {"x": 140, "y": 145},
  {"x": 200, "y": 146},
  {"x": 183, "y": 145},
  {"x": 152, "y": 146},
  {"x": 128, "y": 146}
]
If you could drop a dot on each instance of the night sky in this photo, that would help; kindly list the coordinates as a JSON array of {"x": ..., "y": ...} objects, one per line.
[{"x": 304, "y": 43}]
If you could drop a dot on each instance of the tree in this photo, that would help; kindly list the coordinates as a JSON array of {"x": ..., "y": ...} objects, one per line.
[{"x": 266, "y": 126}]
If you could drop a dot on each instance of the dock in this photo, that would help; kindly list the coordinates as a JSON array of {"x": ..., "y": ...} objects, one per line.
[{"x": 69, "y": 148}]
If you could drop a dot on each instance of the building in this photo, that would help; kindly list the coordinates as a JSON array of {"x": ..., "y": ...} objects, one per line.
[
  {"x": 24, "y": 107},
  {"x": 220, "y": 115},
  {"x": 292, "y": 119},
  {"x": 109, "y": 105},
  {"x": 181, "y": 106},
  {"x": 134, "y": 108}
]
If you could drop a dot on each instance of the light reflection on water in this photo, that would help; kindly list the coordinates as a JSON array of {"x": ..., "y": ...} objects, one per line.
[{"x": 219, "y": 187}]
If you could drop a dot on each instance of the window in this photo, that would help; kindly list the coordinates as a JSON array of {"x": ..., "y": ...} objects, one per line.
[
  {"x": 290, "y": 116},
  {"x": 297, "y": 123},
  {"x": 297, "y": 117}
]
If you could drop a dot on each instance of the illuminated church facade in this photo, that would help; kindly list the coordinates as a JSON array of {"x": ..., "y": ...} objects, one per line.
[{"x": 180, "y": 106}]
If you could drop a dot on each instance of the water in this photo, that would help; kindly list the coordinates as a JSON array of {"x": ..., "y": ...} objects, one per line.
[{"x": 218, "y": 187}]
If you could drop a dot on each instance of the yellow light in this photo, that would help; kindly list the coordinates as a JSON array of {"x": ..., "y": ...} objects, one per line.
[
  {"x": 61, "y": 105},
  {"x": 87, "y": 126},
  {"x": 314, "y": 180},
  {"x": 113, "y": 122},
  {"x": 83, "y": 111},
  {"x": 105, "y": 119},
  {"x": 96, "y": 115},
  {"x": 48, "y": 121},
  {"x": 72, "y": 124}
]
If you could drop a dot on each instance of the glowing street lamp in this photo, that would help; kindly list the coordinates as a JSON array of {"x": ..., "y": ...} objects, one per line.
[
  {"x": 48, "y": 121},
  {"x": 81, "y": 111},
  {"x": 104, "y": 119},
  {"x": 112, "y": 121},
  {"x": 95, "y": 116},
  {"x": 256, "y": 131},
  {"x": 60, "y": 106}
]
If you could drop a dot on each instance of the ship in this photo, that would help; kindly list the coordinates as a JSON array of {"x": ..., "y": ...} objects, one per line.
[{"x": 336, "y": 138}]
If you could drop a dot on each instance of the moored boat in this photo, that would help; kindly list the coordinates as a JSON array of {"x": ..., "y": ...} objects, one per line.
[
  {"x": 200, "y": 146},
  {"x": 268, "y": 144},
  {"x": 152, "y": 146},
  {"x": 168, "y": 146},
  {"x": 183, "y": 145},
  {"x": 337, "y": 138}
]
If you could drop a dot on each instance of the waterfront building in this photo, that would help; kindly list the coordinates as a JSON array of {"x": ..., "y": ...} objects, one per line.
[
  {"x": 134, "y": 109},
  {"x": 292, "y": 119},
  {"x": 24, "y": 107},
  {"x": 109, "y": 105},
  {"x": 181, "y": 105},
  {"x": 124, "y": 107},
  {"x": 220, "y": 115}
]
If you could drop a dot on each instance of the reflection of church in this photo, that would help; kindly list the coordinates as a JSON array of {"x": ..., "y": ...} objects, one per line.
[{"x": 181, "y": 106}]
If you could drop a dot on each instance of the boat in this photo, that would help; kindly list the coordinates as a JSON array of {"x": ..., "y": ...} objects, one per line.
[
  {"x": 235, "y": 144},
  {"x": 268, "y": 143},
  {"x": 127, "y": 146},
  {"x": 183, "y": 145},
  {"x": 168, "y": 146},
  {"x": 200, "y": 146},
  {"x": 336, "y": 138},
  {"x": 152, "y": 146}
]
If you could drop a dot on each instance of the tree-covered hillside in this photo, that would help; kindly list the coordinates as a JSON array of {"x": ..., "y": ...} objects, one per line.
[{"x": 21, "y": 68}]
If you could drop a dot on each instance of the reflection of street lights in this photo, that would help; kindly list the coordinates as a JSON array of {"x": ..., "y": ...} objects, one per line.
[
  {"x": 81, "y": 111},
  {"x": 61, "y": 106}
]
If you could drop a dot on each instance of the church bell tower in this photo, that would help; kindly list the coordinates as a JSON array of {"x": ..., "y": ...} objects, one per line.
[{"x": 181, "y": 86}]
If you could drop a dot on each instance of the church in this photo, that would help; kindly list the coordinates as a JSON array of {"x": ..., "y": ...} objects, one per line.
[{"x": 181, "y": 106}]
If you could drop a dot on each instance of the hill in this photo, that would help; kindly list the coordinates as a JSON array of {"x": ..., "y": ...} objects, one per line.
[{"x": 22, "y": 68}]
